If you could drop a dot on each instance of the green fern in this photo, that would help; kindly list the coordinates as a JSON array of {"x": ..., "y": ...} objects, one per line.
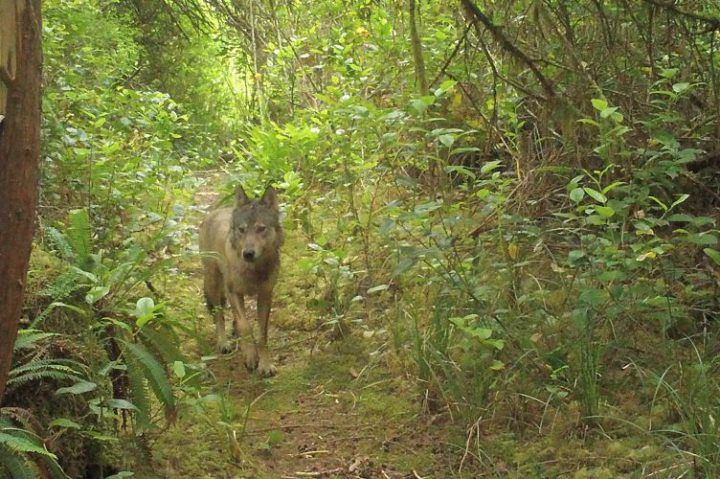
[
  {"x": 79, "y": 236},
  {"x": 27, "y": 338},
  {"x": 23, "y": 455},
  {"x": 66, "y": 283},
  {"x": 138, "y": 392},
  {"x": 16, "y": 466},
  {"x": 57, "y": 241},
  {"x": 75, "y": 243},
  {"x": 16, "y": 441},
  {"x": 39, "y": 369},
  {"x": 154, "y": 373},
  {"x": 163, "y": 339}
]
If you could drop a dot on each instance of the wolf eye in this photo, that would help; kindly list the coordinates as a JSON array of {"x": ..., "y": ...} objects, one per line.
[
  {"x": 241, "y": 229},
  {"x": 261, "y": 228}
]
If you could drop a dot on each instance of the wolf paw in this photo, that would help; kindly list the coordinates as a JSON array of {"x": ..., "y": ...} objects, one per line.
[
  {"x": 225, "y": 347},
  {"x": 266, "y": 368},
  {"x": 251, "y": 356}
]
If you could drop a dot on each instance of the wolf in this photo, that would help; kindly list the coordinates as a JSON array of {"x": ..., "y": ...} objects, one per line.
[{"x": 240, "y": 250}]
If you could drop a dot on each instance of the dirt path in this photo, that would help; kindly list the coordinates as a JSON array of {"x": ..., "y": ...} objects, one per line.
[{"x": 335, "y": 409}]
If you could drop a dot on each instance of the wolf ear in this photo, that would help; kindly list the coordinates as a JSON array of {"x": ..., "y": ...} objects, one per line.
[
  {"x": 269, "y": 198},
  {"x": 240, "y": 196}
]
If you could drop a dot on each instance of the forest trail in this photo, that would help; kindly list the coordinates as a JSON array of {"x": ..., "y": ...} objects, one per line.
[{"x": 336, "y": 409}]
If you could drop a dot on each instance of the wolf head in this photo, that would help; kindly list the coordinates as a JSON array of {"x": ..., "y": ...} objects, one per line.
[{"x": 256, "y": 234}]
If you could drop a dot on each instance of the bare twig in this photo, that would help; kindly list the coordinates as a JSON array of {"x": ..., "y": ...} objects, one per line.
[
  {"x": 452, "y": 55},
  {"x": 713, "y": 23},
  {"x": 508, "y": 46},
  {"x": 319, "y": 473},
  {"x": 311, "y": 453}
]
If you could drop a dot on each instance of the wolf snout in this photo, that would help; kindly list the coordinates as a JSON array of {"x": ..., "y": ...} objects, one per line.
[{"x": 248, "y": 254}]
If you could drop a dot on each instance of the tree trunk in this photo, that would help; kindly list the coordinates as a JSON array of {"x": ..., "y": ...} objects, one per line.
[
  {"x": 20, "y": 75},
  {"x": 417, "y": 49}
]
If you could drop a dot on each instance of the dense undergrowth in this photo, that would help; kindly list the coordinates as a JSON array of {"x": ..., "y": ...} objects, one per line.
[{"x": 540, "y": 243}]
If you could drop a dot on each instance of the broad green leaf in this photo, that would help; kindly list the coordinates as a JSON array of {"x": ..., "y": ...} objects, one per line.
[
  {"x": 143, "y": 307},
  {"x": 577, "y": 195},
  {"x": 668, "y": 73},
  {"x": 660, "y": 203},
  {"x": 589, "y": 121},
  {"x": 446, "y": 140},
  {"x": 120, "y": 404},
  {"x": 447, "y": 85},
  {"x": 680, "y": 218},
  {"x": 595, "y": 220},
  {"x": 681, "y": 199},
  {"x": 96, "y": 294},
  {"x": 489, "y": 166},
  {"x": 179, "y": 369},
  {"x": 498, "y": 344},
  {"x": 680, "y": 87},
  {"x": 596, "y": 195},
  {"x": 713, "y": 254},
  {"x": 605, "y": 211},
  {"x": 464, "y": 149},
  {"x": 706, "y": 239},
  {"x": 612, "y": 275},
  {"x": 483, "y": 193},
  {"x": 497, "y": 365},
  {"x": 79, "y": 387},
  {"x": 607, "y": 112},
  {"x": 599, "y": 104},
  {"x": 461, "y": 170},
  {"x": 645, "y": 256},
  {"x": 575, "y": 255},
  {"x": 612, "y": 186},
  {"x": 65, "y": 423}
]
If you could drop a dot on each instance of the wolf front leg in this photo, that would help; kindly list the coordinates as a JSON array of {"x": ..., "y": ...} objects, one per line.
[
  {"x": 244, "y": 330},
  {"x": 215, "y": 299},
  {"x": 265, "y": 365}
]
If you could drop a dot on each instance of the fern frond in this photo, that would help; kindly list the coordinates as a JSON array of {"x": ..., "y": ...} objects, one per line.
[
  {"x": 138, "y": 392},
  {"x": 23, "y": 455},
  {"x": 58, "y": 364},
  {"x": 27, "y": 338},
  {"x": 57, "y": 241},
  {"x": 163, "y": 339},
  {"x": 22, "y": 416},
  {"x": 38, "y": 369},
  {"x": 19, "y": 440},
  {"x": 66, "y": 283},
  {"x": 154, "y": 373},
  {"x": 16, "y": 466},
  {"x": 79, "y": 235},
  {"x": 53, "y": 468},
  {"x": 39, "y": 376}
]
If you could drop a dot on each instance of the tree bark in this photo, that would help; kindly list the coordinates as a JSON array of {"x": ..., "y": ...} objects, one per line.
[
  {"x": 20, "y": 73},
  {"x": 416, "y": 43}
]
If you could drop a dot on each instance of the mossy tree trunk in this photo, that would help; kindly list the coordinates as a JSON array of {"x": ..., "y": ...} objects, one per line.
[
  {"x": 20, "y": 75},
  {"x": 417, "y": 52}
]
